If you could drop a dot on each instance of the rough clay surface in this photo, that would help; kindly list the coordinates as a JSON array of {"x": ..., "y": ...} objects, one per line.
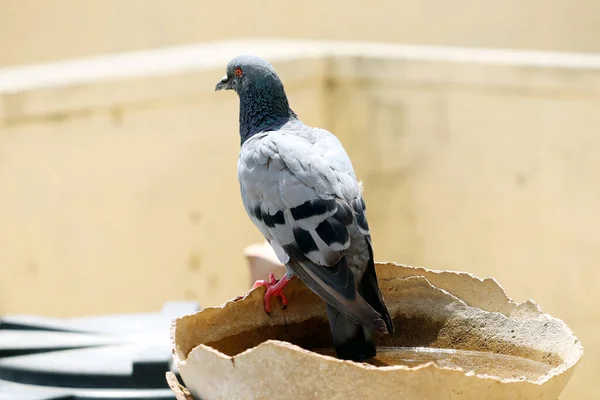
[{"x": 228, "y": 352}]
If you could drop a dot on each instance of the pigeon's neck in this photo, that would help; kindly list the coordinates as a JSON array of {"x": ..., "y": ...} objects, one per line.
[{"x": 263, "y": 109}]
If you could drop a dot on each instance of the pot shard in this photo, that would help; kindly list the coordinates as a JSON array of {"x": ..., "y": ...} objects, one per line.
[{"x": 457, "y": 337}]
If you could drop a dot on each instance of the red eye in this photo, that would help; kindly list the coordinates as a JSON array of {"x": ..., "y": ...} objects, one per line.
[{"x": 238, "y": 72}]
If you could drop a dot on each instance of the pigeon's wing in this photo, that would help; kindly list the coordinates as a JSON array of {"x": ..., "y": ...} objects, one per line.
[{"x": 303, "y": 196}]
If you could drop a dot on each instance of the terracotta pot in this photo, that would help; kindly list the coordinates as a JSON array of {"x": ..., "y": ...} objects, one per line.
[{"x": 457, "y": 337}]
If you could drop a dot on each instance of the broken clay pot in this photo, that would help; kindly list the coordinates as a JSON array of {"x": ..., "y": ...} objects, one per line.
[{"x": 457, "y": 337}]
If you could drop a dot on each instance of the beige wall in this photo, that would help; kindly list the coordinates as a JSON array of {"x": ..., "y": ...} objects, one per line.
[
  {"x": 486, "y": 169},
  {"x": 119, "y": 195},
  {"x": 37, "y": 30}
]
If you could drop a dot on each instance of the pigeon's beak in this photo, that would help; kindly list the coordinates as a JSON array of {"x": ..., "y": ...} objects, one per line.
[{"x": 223, "y": 84}]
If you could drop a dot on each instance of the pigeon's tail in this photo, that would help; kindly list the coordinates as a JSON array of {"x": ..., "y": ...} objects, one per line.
[
  {"x": 353, "y": 341},
  {"x": 369, "y": 290}
]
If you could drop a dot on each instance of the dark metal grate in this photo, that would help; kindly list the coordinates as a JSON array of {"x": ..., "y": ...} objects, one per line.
[{"x": 110, "y": 357}]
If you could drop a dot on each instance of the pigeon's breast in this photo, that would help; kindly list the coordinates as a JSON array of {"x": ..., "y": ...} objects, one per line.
[{"x": 260, "y": 173}]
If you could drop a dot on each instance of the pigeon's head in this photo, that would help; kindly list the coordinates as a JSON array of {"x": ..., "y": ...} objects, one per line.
[
  {"x": 263, "y": 103},
  {"x": 247, "y": 72}
]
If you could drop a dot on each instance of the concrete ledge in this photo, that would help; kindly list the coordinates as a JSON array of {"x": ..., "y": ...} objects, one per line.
[
  {"x": 139, "y": 77},
  {"x": 212, "y": 55}
]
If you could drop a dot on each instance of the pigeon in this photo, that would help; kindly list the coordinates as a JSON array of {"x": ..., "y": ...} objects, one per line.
[{"x": 299, "y": 188}]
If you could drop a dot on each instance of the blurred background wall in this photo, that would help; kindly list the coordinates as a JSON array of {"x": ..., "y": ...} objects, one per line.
[
  {"x": 34, "y": 31},
  {"x": 118, "y": 189}
]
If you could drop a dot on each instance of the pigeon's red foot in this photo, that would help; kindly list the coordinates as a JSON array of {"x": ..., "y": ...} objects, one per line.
[{"x": 274, "y": 288}]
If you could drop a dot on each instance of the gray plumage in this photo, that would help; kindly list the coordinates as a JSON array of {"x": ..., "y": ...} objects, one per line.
[{"x": 299, "y": 188}]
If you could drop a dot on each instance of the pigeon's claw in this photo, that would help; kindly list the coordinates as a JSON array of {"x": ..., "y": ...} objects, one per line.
[
  {"x": 272, "y": 281},
  {"x": 274, "y": 288}
]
